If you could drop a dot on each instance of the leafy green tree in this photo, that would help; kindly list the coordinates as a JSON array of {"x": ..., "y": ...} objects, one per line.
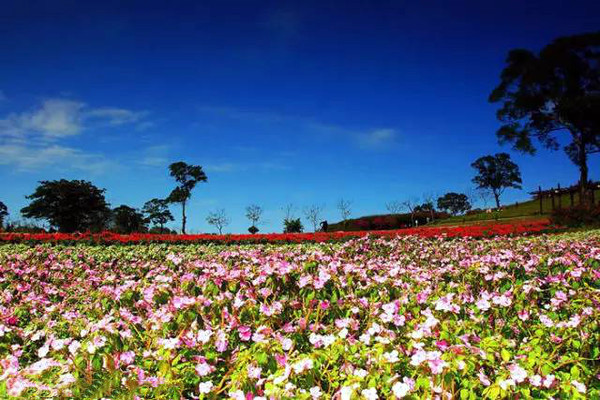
[
  {"x": 3, "y": 213},
  {"x": 496, "y": 173},
  {"x": 555, "y": 91},
  {"x": 69, "y": 206},
  {"x": 187, "y": 177},
  {"x": 454, "y": 203},
  {"x": 157, "y": 212},
  {"x": 127, "y": 220},
  {"x": 292, "y": 225}
]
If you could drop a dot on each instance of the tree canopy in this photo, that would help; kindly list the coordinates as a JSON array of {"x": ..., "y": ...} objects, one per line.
[
  {"x": 496, "y": 173},
  {"x": 454, "y": 203},
  {"x": 157, "y": 212},
  {"x": 557, "y": 90},
  {"x": 187, "y": 177},
  {"x": 69, "y": 206},
  {"x": 126, "y": 220}
]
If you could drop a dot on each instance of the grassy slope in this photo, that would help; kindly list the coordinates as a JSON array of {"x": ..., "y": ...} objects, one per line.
[{"x": 528, "y": 209}]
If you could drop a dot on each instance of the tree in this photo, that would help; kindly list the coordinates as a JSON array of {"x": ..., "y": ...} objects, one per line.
[
  {"x": 557, "y": 90},
  {"x": 187, "y": 177},
  {"x": 127, "y": 220},
  {"x": 292, "y": 226},
  {"x": 344, "y": 207},
  {"x": 218, "y": 219},
  {"x": 394, "y": 207},
  {"x": 426, "y": 207},
  {"x": 157, "y": 212},
  {"x": 410, "y": 205},
  {"x": 254, "y": 214},
  {"x": 454, "y": 203},
  {"x": 69, "y": 205},
  {"x": 496, "y": 173},
  {"x": 3, "y": 213},
  {"x": 313, "y": 215}
]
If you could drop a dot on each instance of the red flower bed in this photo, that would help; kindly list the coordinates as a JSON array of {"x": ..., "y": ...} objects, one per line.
[{"x": 518, "y": 228}]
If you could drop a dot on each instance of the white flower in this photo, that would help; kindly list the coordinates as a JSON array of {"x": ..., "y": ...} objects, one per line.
[
  {"x": 315, "y": 392},
  {"x": 370, "y": 394},
  {"x": 392, "y": 356},
  {"x": 517, "y": 373},
  {"x": 205, "y": 387},
  {"x": 237, "y": 395},
  {"x": 400, "y": 389},
  {"x": 579, "y": 386},
  {"x": 204, "y": 336}
]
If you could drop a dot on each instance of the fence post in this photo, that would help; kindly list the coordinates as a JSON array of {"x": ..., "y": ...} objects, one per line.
[
  {"x": 540, "y": 196},
  {"x": 571, "y": 195},
  {"x": 559, "y": 197}
]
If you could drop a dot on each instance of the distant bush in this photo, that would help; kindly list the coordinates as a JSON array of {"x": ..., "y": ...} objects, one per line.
[
  {"x": 292, "y": 226},
  {"x": 385, "y": 222},
  {"x": 253, "y": 229},
  {"x": 576, "y": 216}
]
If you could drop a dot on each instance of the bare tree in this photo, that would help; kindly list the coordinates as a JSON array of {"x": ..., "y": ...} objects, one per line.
[
  {"x": 288, "y": 211},
  {"x": 313, "y": 215},
  {"x": 218, "y": 219},
  {"x": 394, "y": 207},
  {"x": 429, "y": 199},
  {"x": 410, "y": 205},
  {"x": 254, "y": 214},
  {"x": 344, "y": 207}
]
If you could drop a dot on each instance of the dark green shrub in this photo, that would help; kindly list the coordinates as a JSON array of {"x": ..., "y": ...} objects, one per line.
[
  {"x": 292, "y": 226},
  {"x": 576, "y": 216}
]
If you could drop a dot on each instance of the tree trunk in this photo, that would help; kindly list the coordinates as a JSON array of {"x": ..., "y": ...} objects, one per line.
[
  {"x": 583, "y": 176},
  {"x": 497, "y": 197},
  {"x": 183, "y": 219}
]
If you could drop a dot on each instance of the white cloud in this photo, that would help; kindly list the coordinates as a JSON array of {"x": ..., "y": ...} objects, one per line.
[
  {"x": 35, "y": 139},
  {"x": 115, "y": 116},
  {"x": 57, "y": 118},
  {"x": 377, "y": 137},
  {"x": 32, "y": 158}
]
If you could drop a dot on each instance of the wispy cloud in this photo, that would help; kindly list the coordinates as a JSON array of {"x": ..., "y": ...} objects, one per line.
[
  {"x": 36, "y": 138},
  {"x": 374, "y": 138},
  {"x": 154, "y": 156},
  {"x": 32, "y": 158}
]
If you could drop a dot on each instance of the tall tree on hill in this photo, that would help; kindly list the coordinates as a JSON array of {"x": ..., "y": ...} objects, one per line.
[
  {"x": 496, "y": 173},
  {"x": 69, "y": 205},
  {"x": 157, "y": 212},
  {"x": 313, "y": 215},
  {"x": 187, "y": 177},
  {"x": 3, "y": 213},
  {"x": 557, "y": 90}
]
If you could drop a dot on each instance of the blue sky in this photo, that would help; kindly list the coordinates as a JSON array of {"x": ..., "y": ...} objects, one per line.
[{"x": 301, "y": 102}]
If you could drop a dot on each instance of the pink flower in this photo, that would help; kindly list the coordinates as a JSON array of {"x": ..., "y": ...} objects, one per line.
[{"x": 245, "y": 333}]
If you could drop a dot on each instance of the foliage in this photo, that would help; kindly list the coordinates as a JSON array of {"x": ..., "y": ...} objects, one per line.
[
  {"x": 292, "y": 225},
  {"x": 126, "y": 220},
  {"x": 157, "y": 212},
  {"x": 187, "y": 177},
  {"x": 496, "y": 173},
  {"x": 454, "y": 203},
  {"x": 555, "y": 90},
  {"x": 580, "y": 215},
  {"x": 480, "y": 319},
  {"x": 69, "y": 206},
  {"x": 218, "y": 219}
]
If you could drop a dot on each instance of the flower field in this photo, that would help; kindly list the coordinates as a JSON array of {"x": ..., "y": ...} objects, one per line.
[
  {"x": 374, "y": 317},
  {"x": 518, "y": 227}
]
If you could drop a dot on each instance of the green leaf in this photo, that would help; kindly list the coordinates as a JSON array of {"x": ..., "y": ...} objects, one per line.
[{"x": 505, "y": 355}]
